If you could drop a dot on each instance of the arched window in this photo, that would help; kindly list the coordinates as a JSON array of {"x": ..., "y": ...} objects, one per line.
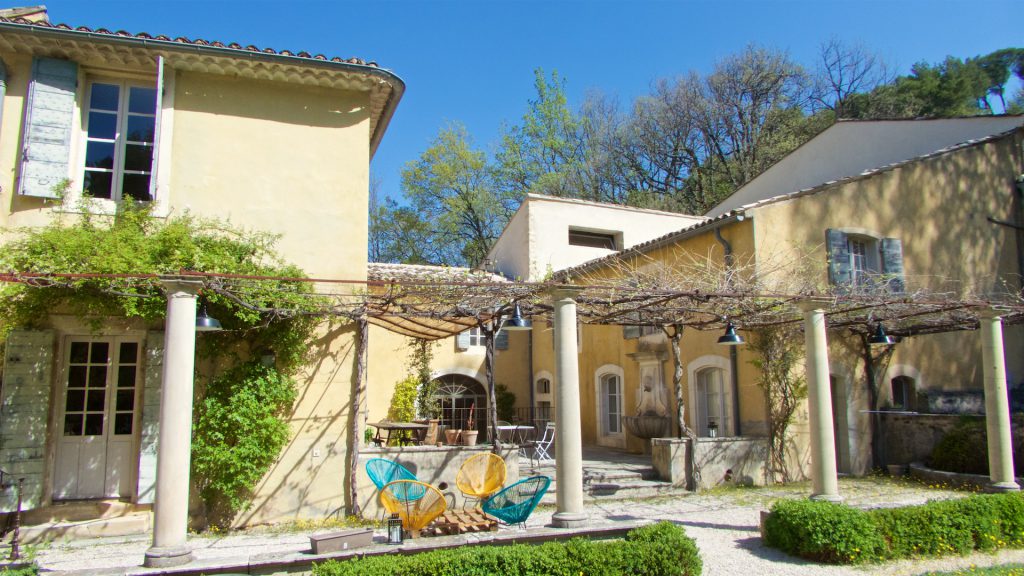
[
  {"x": 711, "y": 396},
  {"x": 457, "y": 393},
  {"x": 611, "y": 404},
  {"x": 904, "y": 393}
]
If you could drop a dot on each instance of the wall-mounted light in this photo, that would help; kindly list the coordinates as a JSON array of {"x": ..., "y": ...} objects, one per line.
[
  {"x": 730, "y": 338},
  {"x": 517, "y": 322},
  {"x": 880, "y": 338},
  {"x": 204, "y": 323}
]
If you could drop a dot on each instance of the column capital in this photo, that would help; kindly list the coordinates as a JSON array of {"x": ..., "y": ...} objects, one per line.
[
  {"x": 991, "y": 312},
  {"x": 809, "y": 304},
  {"x": 178, "y": 286},
  {"x": 564, "y": 292}
]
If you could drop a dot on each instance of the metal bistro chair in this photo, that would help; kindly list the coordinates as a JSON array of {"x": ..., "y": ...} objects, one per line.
[
  {"x": 416, "y": 503},
  {"x": 540, "y": 450},
  {"x": 480, "y": 476},
  {"x": 515, "y": 503}
]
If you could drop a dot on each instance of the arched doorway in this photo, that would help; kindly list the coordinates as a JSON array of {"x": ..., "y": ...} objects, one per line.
[{"x": 457, "y": 393}]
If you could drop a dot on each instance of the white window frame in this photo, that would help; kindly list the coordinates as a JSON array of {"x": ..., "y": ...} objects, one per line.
[
  {"x": 865, "y": 257},
  {"x": 693, "y": 369},
  {"x": 606, "y": 436},
  {"x": 160, "y": 203}
]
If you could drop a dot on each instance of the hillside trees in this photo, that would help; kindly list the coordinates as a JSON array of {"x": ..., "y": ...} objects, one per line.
[{"x": 684, "y": 146}]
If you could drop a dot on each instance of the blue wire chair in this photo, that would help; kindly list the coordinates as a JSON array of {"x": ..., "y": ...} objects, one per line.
[
  {"x": 515, "y": 503},
  {"x": 383, "y": 472}
]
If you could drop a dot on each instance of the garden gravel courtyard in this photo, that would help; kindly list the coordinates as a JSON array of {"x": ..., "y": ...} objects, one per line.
[{"x": 724, "y": 523}]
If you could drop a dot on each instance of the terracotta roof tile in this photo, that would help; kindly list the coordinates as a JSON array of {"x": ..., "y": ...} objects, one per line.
[{"x": 184, "y": 40}]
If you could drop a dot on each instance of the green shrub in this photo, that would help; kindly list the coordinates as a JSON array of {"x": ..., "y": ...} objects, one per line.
[
  {"x": 403, "y": 400},
  {"x": 963, "y": 449},
  {"x": 839, "y": 534},
  {"x": 823, "y": 531},
  {"x": 658, "y": 550},
  {"x": 238, "y": 433}
]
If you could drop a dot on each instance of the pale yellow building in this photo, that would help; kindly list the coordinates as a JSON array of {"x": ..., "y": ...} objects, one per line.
[{"x": 273, "y": 141}]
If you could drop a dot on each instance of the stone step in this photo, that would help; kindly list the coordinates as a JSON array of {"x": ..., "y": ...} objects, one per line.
[
  {"x": 619, "y": 491},
  {"x": 79, "y": 511},
  {"x": 126, "y": 525}
]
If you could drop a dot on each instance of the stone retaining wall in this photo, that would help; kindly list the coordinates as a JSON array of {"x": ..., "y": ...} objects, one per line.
[
  {"x": 910, "y": 438},
  {"x": 713, "y": 462},
  {"x": 430, "y": 464}
]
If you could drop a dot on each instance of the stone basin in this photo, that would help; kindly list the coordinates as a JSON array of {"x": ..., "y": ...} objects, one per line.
[{"x": 647, "y": 425}]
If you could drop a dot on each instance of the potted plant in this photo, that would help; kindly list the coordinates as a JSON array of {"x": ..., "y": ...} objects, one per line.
[
  {"x": 451, "y": 436},
  {"x": 470, "y": 433}
]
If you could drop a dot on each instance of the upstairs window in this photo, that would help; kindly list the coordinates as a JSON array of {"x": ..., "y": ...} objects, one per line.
[
  {"x": 592, "y": 239},
  {"x": 120, "y": 134},
  {"x": 863, "y": 262}
]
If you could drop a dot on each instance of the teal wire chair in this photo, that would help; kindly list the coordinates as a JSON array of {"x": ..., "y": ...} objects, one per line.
[
  {"x": 515, "y": 503},
  {"x": 383, "y": 472}
]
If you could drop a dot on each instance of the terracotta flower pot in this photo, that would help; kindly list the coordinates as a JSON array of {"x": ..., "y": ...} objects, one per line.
[
  {"x": 451, "y": 436},
  {"x": 469, "y": 437}
]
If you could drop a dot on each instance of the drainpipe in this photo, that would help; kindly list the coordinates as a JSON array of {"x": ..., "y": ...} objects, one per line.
[
  {"x": 529, "y": 378},
  {"x": 733, "y": 356}
]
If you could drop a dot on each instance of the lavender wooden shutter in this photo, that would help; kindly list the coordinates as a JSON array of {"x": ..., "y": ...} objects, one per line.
[
  {"x": 501, "y": 340},
  {"x": 840, "y": 271},
  {"x": 892, "y": 264},
  {"x": 462, "y": 341},
  {"x": 48, "y": 112}
]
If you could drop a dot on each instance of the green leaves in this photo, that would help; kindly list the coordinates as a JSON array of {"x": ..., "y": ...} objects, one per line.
[{"x": 239, "y": 430}]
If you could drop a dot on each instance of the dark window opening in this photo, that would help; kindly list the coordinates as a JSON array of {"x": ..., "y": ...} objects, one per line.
[{"x": 591, "y": 239}]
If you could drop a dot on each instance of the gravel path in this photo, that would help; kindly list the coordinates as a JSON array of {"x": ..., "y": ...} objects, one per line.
[{"x": 724, "y": 524}]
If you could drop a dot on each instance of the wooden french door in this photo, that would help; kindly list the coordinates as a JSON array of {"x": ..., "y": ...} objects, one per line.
[{"x": 96, "y": 451}]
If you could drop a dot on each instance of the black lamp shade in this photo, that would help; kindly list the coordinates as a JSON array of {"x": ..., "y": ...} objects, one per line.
[
  {"x": 206, "y": 324},
  {"x": 880, "y": 338},
  {"x": 730, "y": 338},
  {"x": 517, "y": 322}
]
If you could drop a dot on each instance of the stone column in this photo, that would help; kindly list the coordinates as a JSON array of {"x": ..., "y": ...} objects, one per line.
[
  {"x": 819, "y": 398},
  {"x": 174, "y": 446},
  {"x": 568, "y": 428},
  {"x": 997, "y": 406}
]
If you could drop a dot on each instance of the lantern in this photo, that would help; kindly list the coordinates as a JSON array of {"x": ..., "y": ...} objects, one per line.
[{"x": 395, "y": 533}]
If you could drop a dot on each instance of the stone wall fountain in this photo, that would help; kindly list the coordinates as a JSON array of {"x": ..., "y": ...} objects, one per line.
[{"x": 651, "y": 419}]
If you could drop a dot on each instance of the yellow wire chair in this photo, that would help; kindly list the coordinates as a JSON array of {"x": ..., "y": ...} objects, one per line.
[
  {"x": 416, "y": 503},
  {"x": 480, "y": 476}
]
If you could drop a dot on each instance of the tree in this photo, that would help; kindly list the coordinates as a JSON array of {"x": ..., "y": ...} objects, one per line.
[
  {"x": 844, "y": 71},
  {"x": 546, "y": 153},
  {"x": 749, "y": 103},
  {"x": 455, "y": 210}
]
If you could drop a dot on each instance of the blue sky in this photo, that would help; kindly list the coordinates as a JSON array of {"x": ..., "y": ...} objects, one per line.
[{"x": 472, "y": 61}]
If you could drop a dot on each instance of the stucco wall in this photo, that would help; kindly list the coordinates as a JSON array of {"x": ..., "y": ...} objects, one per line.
[
  {"x": 849, "y": 148},
  {"x": 545, "y": 237}
]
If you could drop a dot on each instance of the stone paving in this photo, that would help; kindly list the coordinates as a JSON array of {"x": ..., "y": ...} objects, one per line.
[{"x": 724, "y": 522}]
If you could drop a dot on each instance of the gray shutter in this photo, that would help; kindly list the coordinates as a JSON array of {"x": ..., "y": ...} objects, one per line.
[
  {"x": 156, "y": 130},
  {"x": 150, "y": 416},
  {"x": 839, "y": 269},
  {"x": 630, "y": 332},
  {"x": 892, "y": 264},
  {"x": 24, "y": 414},
  {"x": 501, "y": 340},
  {"x": 48, "y": 112},
  {"x": 462, "y": 341}
]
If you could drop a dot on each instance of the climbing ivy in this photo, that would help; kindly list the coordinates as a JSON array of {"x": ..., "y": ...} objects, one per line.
[{"x": 240, "y": 425}]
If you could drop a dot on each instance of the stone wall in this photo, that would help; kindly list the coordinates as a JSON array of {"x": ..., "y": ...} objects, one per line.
[
  {"x": 430, "y": 464},
  {"x": 910, "y": 438},
  {"x": 713, "y": 462}
]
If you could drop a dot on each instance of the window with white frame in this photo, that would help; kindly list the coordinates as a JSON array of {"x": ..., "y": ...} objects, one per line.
[
  {"x": 476, "y": 337},
  {"x": 859, "y": 259},
  {"x": 611, "y": 404},
  {"x": 711, "y": 397},
  {"x": 543, "y": 386},
  {"x": 120, "y": 131}
]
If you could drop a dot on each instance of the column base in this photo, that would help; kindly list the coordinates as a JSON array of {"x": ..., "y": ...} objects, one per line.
[
  {"x": 836, "y": 498},
  {"x": 1002, "y": 487},
  {"x": 569, "y": 519},
  {"x": 167, "y": 556}
]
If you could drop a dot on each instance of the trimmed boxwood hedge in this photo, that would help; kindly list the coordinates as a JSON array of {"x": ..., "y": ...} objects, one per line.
[
  {"x": 839, "y": 534},
  {"x": 661, "y": 549}
]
